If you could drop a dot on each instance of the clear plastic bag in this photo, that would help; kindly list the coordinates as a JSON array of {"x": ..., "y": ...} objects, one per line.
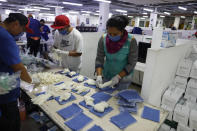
[{"x": 8, "y": 82}]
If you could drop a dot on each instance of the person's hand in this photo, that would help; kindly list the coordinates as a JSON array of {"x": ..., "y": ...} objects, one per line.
[
  {"x": 74, "y": 54},
  {"x": 99, "y": 80},
  {"x": 115, "y": 80}
]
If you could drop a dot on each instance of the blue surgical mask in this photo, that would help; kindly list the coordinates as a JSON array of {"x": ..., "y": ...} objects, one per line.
[
  {"x": 63, "y": 32},
  {"x": 16, "y": 37},
  {"x": 114, "y": 38}
]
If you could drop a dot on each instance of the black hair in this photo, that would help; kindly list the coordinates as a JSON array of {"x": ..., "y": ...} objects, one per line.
[
  {"x": 118, "y": 21},
  {"x": 42, "y": 20},
  {"x": 23, "y": 20}
]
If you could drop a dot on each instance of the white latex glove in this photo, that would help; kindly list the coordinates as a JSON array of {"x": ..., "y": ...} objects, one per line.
[
  {"x": 99, "y": 80},
  {"x": 115, "y": 80},
  {"x": 35, "y": 81},
  {"x": 61, "y": 52}
]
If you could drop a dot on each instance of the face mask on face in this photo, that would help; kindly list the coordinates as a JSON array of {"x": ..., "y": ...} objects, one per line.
[
  {"x": 114, "y": 38},
  {"x": 63, "y": 32},
  {"x": 16, "y": 37}
]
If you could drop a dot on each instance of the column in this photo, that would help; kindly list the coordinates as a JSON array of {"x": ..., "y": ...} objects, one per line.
[
  {"x": 160, "y": 22},
  {"x": 157, "y": 38},
  {"x": 58, "y": 11},
  {"x": 153, "y": 20},
  {"x": 137, "y": 21},
  {"x": 193, "y": 22},
  {"x": 177, "y": 21},
  {"x": 103, "y": 16},
  {"x": 36, "y": 13}
]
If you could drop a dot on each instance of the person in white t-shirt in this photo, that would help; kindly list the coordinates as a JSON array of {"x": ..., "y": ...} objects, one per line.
[{"x": 69, "y": 43}]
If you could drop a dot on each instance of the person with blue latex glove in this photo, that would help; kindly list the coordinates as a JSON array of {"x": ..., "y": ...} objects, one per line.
[{"x": 117, "y": 54}]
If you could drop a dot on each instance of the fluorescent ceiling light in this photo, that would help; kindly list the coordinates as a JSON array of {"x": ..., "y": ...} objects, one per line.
[
  {"x": 55, "y": 6},
  {"x": 0, "y": 4},
  {"x": 96, "y": 14},
  {"x": 3, "y": 1},
  {"x": 121, "y": 11},
  {"x": 130, "y": 16},
  {"x": 106, "y": 1},
  {"x": 183, "y": 17},
  {"x": 124, "y": 14},
  {"x": 144, "y": 13},
  {"x": 73, "y": 12},
  {"x": 162, "y": 16},
  {"x": 146, "y": 9},
  {"x": 43, "y": 8},
  {"x": 97, "y": 11},
  {"x": 142, "y": 18},
  {"x": 167, "y": 13},
  {"x": 182, "y": 8},
  {"x": 70, "y": 3},
  {"x": 145, "y": 16},
  {"x": 195, "y": 12},
  {"x": 29, "y": 9},
  {"x": 85, "y": 11},
  {"x": 47, "y": 14}
]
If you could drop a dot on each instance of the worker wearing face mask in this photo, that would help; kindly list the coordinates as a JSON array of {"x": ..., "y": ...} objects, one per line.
[
  {"x": 69, "y": 41},
  {"x": 116, "y": 54},
  {"x": 10, "y": 62}
]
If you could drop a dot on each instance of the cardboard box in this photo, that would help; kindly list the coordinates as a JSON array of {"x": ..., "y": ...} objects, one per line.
[
  {"x": 181, "y": 114},
  {"x": 164, "y": 127},
  {"x": 182, "y": 127},
  {"x": 184, "y": 68},
  {"x": 193, "y": 73},
  {"x": 193, "y": 119},
  {"x": 180, "y": 82},
  {"x": 192, "y": 88}
]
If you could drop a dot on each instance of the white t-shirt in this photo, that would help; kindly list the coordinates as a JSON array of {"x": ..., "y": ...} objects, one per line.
[{"x": 71, "y": 42}]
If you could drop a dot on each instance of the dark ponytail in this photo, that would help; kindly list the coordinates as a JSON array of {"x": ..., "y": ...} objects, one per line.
[{"x": 118, "y": 21}]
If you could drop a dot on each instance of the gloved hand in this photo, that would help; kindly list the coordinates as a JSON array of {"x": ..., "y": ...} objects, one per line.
[
  {"x": 99, "y": 80},
  {"x": 61, "y": 52},
  {"x": 115, "y": 80}
]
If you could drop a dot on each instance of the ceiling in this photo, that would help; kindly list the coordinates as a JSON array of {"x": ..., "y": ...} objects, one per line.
[{"x": 134, "y": 7}]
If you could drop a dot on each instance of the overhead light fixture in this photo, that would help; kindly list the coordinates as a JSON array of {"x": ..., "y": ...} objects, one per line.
[
  {"x": 29, "y": 9},
  {"x": 130, "y": 16},
  {"x": 3, "y": 0},
  {"x": 145, "y": 16},
  {"x": 183, "y": 17},
  {"x": 167, "y": 13},
  {"x": 42, "y": 8},
  {"x": 125, "y": 14},
  {"x": 195, "y": 12},
  {"x": 88, "y": 12},
  {"x": 121, "y": 11},
  {"x": 96, "y": 14},
  {"x": 0, "y": 4},
  {"x": 48, "y": 14},
  {"x": 73, "y": 12},
  {"x": 142, "y": 18},
  {"x": 144, "y": 13},
  {"x": 162, "y": 16},
  {"x": 55, "y": 6},
  {"x": 149, "y": 10},
  {"x": 70, "y": 3},
  {"x": 106, "y": 1},
  {"x": 182, "y": 8},
  {"x": 97, "y": 11}
]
